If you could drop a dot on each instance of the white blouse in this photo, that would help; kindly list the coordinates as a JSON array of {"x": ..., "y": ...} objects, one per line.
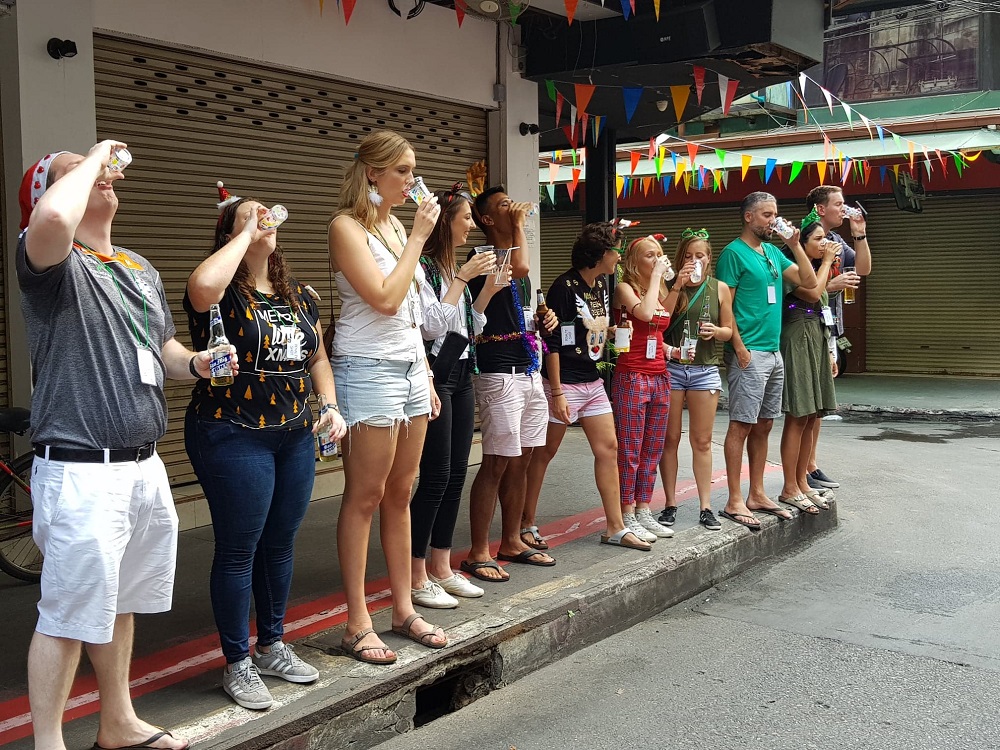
[{"x": 439, "y": 318}]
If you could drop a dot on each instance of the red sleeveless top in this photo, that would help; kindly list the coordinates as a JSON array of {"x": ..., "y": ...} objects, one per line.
[{"x": 634, "y": 360}]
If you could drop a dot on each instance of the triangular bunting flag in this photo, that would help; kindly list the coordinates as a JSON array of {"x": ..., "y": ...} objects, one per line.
[
  {"x": 848, "y": 111},
  {"x": 572, "y": 154},
  {"x": 929, "y": 167},
  {"x": 656, "y": 8},
  {"x": 570, "y": 9},
  {"x": 516, "y": 9},
  {"x": 550, "y": 89},
  {"x": 652, "y": 147},
  {"x": 745, "y": 159},
  {"x": 553, "y": 173},
  {"x": 619, "y": 185},
  {"x": 680, "y": 170},
  {"x": 321, "y": 7},
  {"x": 583, "y": 93},
  {"x": 897, "y": 141},
  {"x": 868, "y": 126},
  {"x": 895, "y": 171},
  {"x": 634, "y": 157},
  {"x": 821, "y": 169},
  {"x": 958, "y": 164},
  {"x": 631, "y": 95},
  {"x": 559, "y": 107},
  {"x": 583, "y": 154},
  {"x": 572, "y": 124},
  {"x": 780, "y": 169},
  {"x": 658, "y": 161},
  {"x": 725, "y": 179},
  {"x": 687, "y": 182},
  {"x": 802, "y": 83},
  {"x": 937, "y": 151},
  {"x": 701, "y": 178},
  {"x": 680, "y": 96},
  {"x": 927, "y": 156},
  {"x": 727, "y": 92},
  {"x": 574, "y": 183},
  {"x": 846, "y": 172},
  {"x": 569, "y": 136},
  {"x": 460, "y": 6},
  {"x": 665, "y": 184},
  {"x": 626, "y": 9},
  {"x": 699, "y": 73},
  {"x": 881, "y": 135},
  {"x": 829, "y": 99},
  {"x": 692, "y": 152},
  {"x": 910, "y": 145},
  {"x": 881, "y": 174},
  {"x": 598, "y": 127},
  {"x": 646, "y": 182},
  {"x": 583, "y": 131},
  {"x": 769, "y": 170},
  {"x": 721, "y": 156},
  {"x": 551, "y": 190},
  {"x": 796, "y": 168},
  {"x": 348, "y": 10},
  {"x": 867, "y": 170},
  {"x": 716, "y": 177},
  {"x": 673, "y": 158}
]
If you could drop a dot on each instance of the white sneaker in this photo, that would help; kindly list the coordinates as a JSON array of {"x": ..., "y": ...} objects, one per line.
[
  {"x": 243, "y": 684},
  {"x": 458, "y": 585},
  {"x": 650, "y": 524},
  {"x": 433, "y": 596},
  {"x": 633, "y": 525},
  {"x": 281, "y": 661}
]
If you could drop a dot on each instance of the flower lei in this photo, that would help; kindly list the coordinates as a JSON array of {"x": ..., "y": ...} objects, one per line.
[{"x": 522, "y": 335}]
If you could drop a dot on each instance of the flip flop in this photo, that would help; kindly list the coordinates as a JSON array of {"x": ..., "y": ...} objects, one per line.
[
  {"x": 406, "y": 630},
  {"x": 618, "y": 540},
  {"x": 801, "y": 502},
  {"x": 735, "y": 518},
  {"x": 537, "y": 542},
  {"x": 525, "y": 558},
  {"x": 780, "y": 513},
  {"x": 349, "y": 647},
  {"x": 473, "y": 568},
  {"x": 142, "y": 745}
]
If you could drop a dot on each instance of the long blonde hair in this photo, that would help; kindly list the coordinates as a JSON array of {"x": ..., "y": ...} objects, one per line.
[
  {"x": 378, "y": 151},
  {"x": 630, "y": 267},
  {"x": 685, "y": 243}
]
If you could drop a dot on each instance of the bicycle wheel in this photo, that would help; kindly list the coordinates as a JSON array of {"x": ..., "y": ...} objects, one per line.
[{"x": 19, "y": 556}]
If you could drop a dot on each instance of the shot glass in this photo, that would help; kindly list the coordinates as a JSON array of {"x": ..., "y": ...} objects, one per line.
[{"x": 418, "y": 191}]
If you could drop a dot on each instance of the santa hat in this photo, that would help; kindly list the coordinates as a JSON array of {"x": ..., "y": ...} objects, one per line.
[
  {"x": 33, "y": 185},
  {"x": 225, "y": 197}
]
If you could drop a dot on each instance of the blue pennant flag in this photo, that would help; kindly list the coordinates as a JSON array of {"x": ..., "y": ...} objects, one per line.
[
  {"x": 666, "y": 184},
  {"x": 631, "y": 94},
  {"x": 626, "y": 9},
  {"x": 881, "y": 136},
  {"x": 769, "y": 169}
]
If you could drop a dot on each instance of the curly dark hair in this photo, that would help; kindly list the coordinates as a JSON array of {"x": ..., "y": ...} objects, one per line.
[
  {"x": 278, "y": 272},
  {"x": 594, "y": 241}
]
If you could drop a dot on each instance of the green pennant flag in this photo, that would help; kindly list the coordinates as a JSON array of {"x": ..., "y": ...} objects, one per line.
[
  {"x": 898, "y": 142},
  {"x": 796, "y": 168},
  {"x": 550, "y": 87},
  {"x": 658, "y": 161},
  {"x": 959, "y": 164},
  {"x": 721, "y": 156},
  {"x": 573, "y": 150}
]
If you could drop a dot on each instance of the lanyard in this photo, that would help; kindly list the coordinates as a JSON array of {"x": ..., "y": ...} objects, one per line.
[
  {"x": 416, "y": 288},
  {"x": 145, "y": 310},
  {"x": 292, "y": 316}
]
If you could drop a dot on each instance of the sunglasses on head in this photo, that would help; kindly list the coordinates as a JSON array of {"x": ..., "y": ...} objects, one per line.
[{"x": 701, "y": 234}]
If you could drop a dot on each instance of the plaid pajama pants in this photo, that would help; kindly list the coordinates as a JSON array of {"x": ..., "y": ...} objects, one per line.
[{"x": 641, "y": 403}]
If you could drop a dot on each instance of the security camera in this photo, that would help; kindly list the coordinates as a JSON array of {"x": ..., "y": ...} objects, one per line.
[{"x": 662, "y": 104}]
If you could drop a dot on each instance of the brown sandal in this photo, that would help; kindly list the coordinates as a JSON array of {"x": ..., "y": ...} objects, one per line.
[
  {"x": 406, "y": 630},
  {"x": 349, "y": 646}
]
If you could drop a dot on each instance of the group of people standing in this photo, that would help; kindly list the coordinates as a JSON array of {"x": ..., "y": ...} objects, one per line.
[{"x": 420, "y": 339}]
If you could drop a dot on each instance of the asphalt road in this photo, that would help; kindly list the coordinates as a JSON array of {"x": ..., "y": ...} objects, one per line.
[{"x": 882, "y": 634}]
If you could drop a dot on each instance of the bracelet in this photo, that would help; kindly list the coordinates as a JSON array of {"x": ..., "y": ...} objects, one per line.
[
  {"x": 430, "y": 374},
  {"x": 670, "y": 351},
  {"x": 191, "y": 367},
  {"x": 861, "y": 237},
  {"x": 459, "y": 278},
  {"x": 556, "y": 394},
  {"x": 328, "y": 407}
]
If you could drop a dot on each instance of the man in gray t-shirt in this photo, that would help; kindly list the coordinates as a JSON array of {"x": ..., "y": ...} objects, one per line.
[{"x": 102, "y": 341}]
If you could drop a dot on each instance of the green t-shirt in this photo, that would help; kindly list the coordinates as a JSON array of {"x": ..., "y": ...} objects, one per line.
[{"x": 749, "y": 274}]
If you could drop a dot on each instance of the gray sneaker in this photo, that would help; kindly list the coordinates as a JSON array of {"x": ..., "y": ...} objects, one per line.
[
  {"x": 284, "y": 663},
  {"x": 243, "y": 684}
]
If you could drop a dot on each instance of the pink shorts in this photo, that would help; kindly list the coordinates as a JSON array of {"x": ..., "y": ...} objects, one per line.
[
  {"x": 512, "y": 411},
  {"x": 584, "y": 399}
]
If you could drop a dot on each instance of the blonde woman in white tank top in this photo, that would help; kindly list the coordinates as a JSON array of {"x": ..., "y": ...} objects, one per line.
[{"x": 386, "y": 394}]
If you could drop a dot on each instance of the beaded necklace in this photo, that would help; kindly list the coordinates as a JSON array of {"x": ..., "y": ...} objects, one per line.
[
  {"x": 434, "y": 276},
  {"x": 528, "y": 341}
]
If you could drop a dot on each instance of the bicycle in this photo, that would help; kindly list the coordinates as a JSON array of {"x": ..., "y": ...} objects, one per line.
[{"x": 19, "y": 557}]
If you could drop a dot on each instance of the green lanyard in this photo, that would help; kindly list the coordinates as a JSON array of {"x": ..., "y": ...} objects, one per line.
[
  {"x": 145, "y": 311},
  {"x": 294, "y": 316}
]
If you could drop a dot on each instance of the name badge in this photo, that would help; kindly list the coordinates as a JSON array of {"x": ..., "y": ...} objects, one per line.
[
  {"x": 147, "y": 366},
  {"x": 651, "y": 347},
  {"x": 827, "y": 314},
  {"x": 772, "y": 295},
  {"x": 568, "y": 331},
  {"x": 529, "y": 320},
  {"x": 289, "y": 337}
]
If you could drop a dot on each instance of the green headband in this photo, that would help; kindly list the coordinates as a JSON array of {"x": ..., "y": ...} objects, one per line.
[
  {"x": 701, "y": 234},
  {"x": 811, "y": 218}
]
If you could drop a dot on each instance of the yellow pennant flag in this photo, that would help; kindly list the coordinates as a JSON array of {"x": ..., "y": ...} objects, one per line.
[
  {"x": 910, "y": 145},
  {"x": 321, "y": 7},
  {"x": 619, "y": 185},
  {"x": 895, "y": 171},
  {"x": 687, "y": 182},
  {"x": 821, "y": 168},
  {"x": 746, "y": 159},
  {"x": 680, "y": 96},
  {"x": 681, "y": 171},
  {"x": 656, "y": 7}
]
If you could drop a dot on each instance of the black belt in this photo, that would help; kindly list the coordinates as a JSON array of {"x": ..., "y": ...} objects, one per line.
[
  {"x": 95, "y": 455},
  {"x": 513, "y": 370}
]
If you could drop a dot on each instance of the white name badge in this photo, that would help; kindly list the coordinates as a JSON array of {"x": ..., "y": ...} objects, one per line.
[
  {"x": 289, "y": 337},
  {"x": 651, "y": 346},
  {"x": 147, "y": 366},
  {"x": 568, "y": 331},
  {"x": 772, "y": 295},
  {"x": 827, "y": 314},
  {"x": 529, "y": 320}
]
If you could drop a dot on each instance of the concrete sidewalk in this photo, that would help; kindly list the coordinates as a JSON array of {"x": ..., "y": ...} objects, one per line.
[
  {"x": 541, "y": 615},
  {"x": 920, "y": 396}
]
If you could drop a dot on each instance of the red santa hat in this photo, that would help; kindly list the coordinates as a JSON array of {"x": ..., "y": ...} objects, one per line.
[
  {"x": 225, "y": 197},
  {"x": 33, "y": 185}
]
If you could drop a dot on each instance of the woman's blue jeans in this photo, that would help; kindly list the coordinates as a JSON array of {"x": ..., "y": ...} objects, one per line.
[{"x": 258, "y": 484}]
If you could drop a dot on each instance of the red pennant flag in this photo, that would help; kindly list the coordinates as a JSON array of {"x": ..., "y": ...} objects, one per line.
[
  {"x": 583, "y": 127},
  {"x": 570, "y": 12},
  {"x": 699, "y": 81},
  {"x": 583, "y": 93},
  {"x": 941, "y": 159},
  {"x": 652, "y": 148},
  {"x": 634, "y": 158},
  {"x": 460, "y": 6},
  {"x": 576, "y": 179},
  {"x": 692, "y": 152},
  {"x": 727, "y": 91},
  {"x": 559, "y": 107},
  {"x": 780, "y": 169},
  {"x": 570, "y": 136},
  {"x": 348, "y": 10}
]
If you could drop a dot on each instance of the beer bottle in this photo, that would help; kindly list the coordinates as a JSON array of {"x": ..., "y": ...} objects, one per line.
[
  {"x": 705, "y": 317},
  {"x": 541, "y": 309},
  {"x": 686, "y": 344},
  {"x": 623, "y": 334},
  {"x": 218, "y": 347},
  {"x": 327, "y": 445}
]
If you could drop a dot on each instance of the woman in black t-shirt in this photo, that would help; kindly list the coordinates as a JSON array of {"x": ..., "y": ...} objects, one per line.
[{"x": 251, "y": 442}]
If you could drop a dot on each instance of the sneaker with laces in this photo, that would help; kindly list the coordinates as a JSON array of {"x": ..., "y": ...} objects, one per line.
[
  {"x": 433, "y": 596},
  {"x": 243, "y": 684},
  {"x": 281, "y": 661},
  {"x": 815, "y": 485},
  {"x": 650, "y": 524},
  {"x": 823, "y": 480},
  {"x": 707, "y": 519},
  {"x": 458, "y": 585},
  {"x": 668, "y": 516},
  {"x": 633, "y": 525}
]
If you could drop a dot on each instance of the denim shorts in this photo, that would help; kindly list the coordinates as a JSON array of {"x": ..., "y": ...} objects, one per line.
[
  {"x": 694, "y": 377},
  {"x": 380, "y": 392}
]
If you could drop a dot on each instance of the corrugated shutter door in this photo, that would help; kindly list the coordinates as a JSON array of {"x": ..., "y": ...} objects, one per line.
[
  {"x": 932, "y": 304},
  {"x": 558, "y": 235},
  {"x": 191, "y": 119},
  {"x": 4, "y": 370}
]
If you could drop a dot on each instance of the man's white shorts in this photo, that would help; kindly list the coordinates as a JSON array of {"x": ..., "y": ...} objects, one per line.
[{"x": 109, "y": 536}]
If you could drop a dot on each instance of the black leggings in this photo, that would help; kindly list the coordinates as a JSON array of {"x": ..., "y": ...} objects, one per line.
[{"x": 443, "y": 464}]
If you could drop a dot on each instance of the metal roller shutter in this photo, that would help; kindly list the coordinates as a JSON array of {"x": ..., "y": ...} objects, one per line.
[
  {"x": 4, "y": 370},
  {"x": 558, "y": 233},
  {"x": 191, "y": 119},
  {"x": 932, "y": 304}
]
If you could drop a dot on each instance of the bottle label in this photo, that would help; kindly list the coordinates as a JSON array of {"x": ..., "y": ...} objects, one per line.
[
  {"x": 623, "y": 338},
  {"x": 220, "y": 365},
  {"x": 327, "y": 446}
]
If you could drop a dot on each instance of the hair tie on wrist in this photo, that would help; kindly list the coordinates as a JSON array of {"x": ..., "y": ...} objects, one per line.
[{"x": 191, "y": 367}]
